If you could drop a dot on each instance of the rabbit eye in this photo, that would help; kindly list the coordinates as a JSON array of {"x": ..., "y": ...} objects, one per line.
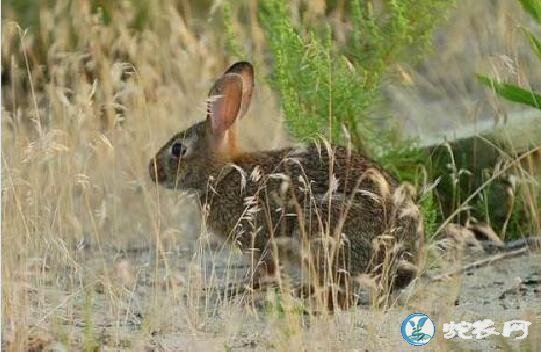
[{"x": 178, "y": 149}]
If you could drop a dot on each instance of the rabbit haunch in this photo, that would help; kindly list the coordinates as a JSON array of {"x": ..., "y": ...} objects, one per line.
[{"x": 317, "y": 194}]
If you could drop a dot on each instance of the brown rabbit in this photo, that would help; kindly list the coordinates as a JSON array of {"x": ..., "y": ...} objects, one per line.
[{"x": 328, "y": 202}]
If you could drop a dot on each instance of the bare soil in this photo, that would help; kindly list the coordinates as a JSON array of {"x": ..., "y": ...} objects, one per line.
[{"x": 196, "y": 319}]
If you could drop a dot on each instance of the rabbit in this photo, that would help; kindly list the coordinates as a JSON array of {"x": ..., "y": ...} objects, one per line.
[{"x": 319, "y": 200}]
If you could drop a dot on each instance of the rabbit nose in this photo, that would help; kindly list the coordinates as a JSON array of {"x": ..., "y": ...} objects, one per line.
[{"x": 156, "y": 171}]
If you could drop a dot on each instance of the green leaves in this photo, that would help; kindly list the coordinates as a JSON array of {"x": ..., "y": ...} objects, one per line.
[
  {"x": 533, "y": 7},
  {"x": 325, "y": 83},
  {"x": 320, "y": 90},
  {"x": 534, "y": 42},
  {"x": 512, "y": 92},
  {"x": 230, "y": 38}
]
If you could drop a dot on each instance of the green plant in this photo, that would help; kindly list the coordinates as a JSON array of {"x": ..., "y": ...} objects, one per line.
[
  {"x": 230, "y": 37},
  {"x": 325, "y": 84},
  {"x": 513, "y": 92},
  {"x": 429, "y": 209}
]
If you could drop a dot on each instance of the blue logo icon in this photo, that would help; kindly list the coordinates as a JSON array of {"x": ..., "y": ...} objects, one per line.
[{"x": 417, "y": 329}]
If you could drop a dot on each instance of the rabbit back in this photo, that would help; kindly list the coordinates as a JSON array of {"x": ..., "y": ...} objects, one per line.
[{"x": 297, "y": 193}]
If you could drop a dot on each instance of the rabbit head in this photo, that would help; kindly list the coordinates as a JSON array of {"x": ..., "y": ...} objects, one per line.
[{"x": 189, "y": 157}]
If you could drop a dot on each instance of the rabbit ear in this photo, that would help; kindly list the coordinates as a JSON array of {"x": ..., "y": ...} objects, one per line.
[
  {"x": 246, "y": 71},
  {"x": 224, "y": 102}
]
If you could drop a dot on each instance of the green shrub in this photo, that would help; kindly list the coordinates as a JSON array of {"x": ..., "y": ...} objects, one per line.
[{"x": 325, "y": 83}]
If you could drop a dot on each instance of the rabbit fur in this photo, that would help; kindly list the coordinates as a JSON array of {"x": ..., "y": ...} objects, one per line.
[{"x": 327, "y": 203}]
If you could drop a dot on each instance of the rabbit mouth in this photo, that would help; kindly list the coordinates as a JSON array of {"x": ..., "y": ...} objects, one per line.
[{"x": 178, "y": 182}]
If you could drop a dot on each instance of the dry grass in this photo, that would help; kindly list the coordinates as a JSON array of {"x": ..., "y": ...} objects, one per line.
[{"x": 93, "y": 253}]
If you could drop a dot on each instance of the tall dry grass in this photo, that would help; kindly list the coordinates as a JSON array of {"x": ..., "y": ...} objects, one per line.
[{"x": 93, "y": 254}]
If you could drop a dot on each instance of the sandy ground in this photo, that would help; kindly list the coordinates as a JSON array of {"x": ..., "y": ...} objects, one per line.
[{"x": 505, "y": 290}]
